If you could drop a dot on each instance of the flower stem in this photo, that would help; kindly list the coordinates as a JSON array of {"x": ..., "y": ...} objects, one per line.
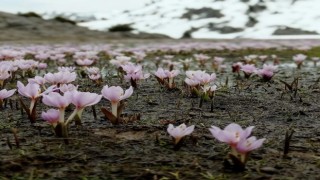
[
  {"x": 170, "y": 83},
  {"x": 33, "y": 101},
  {"x": 61, "y": 116},
  {"x": 243, "y": 158},
  {"x": 234, "y": 151},
  {"x": 71, "y": 117},
  {"x": 114, "y": 107}
]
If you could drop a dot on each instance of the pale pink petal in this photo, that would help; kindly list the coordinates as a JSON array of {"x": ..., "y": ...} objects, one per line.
[
  {"x": 127, "y": 93},
  {"x": 189, "y": 130}
]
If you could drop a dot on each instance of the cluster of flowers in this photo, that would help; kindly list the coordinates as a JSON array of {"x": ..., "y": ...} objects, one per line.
[
  {"x": 166, "y": 77},
  {"x": 217, "y": 62},
  {"x": 61, "y": 94},
  {"x": 200, "y": 81},
  {"x": 238, "y": 139},
  {"x": 9, "y": 68},
  {"x": 94, "y": 74},
  {"x": 267, "y": 72},
  {"x": 132, "y": 73},
  {"x": 300, "y": 58},
  {"x": 85, "y": 58}
]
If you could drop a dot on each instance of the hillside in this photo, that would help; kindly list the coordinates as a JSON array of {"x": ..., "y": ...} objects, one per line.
[
  {"x": 20, "y": 28},
  {"x": 220, "y": 19}
]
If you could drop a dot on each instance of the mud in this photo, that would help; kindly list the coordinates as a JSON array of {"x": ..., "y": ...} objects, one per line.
[{"x": 143, "y": 149}]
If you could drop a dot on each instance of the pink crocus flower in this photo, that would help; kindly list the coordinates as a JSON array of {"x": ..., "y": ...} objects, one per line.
[
  {"x": 86, "y": 55},
  {"x": 186, "y": 63},
  {"x": 42, "y": 56},
  {"x": 247, "y": 145},
  {"x": 217, "y": 63},
  {"x": 82, "y": 100},
  {"x": 210, "y": 90},
  {"x": 51, "y": 116},
  {"x": 270, "y": 67},
  {"x": 201, "y": 57},
  {"x": 84, "y": 62},
  {"x": 26, "y": 64},
  {"x": 60, "y": 77},
  {"x": 201, "y": 76},
  {"x": 5, "y": 94},
  {"x": 95, "y": 76},
  {"x": 93, "y": 70},
  {"x": 171, "y": 75},
  {"x": 298, "y": 59},
  {"x": 218, "y": 60},
  {"x": 139, "y": 55},
  {"x": 191, "y": 82},
  {"x": 265, "y": 74},
  {"x": 160, "y": 73},
  {"x": 248, "y": 70},
  {"x": 231, "y": 134},
  {"x": 57, "y": 56},
  {"x": 38, "y": 80},
  {"x": 54, "y": 99},
  {"x": 263, "y": 58},
  {"x": 120, "y": 60},
  {"x": 205, "y": 78},
  {"x": 115, "y": 94},
  {"x": 3, "y": 76},
  {"x": 131, "y": 68},
  {"x": 68, "y": 69},
  {"x": 68, "y": 87},
  {"x": 238, "y": 139},
  {"x": 179, "y": 132},
  {"x": 250, "y": 58},
  {"x": 171, "y": 64},
  {"x": 267, "y": 71},
  {"x": 31, "y": 90},
  {"x": 7, "y": 66},
  {"x": 94, "y": 73},
  {"x": 42, "y": 66},
  {"x": 134, "y": 72},
  {"x": 136, "y": 76}
]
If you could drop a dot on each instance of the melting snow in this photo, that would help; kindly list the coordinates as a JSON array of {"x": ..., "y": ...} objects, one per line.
[{"x": 164, "y": 16}]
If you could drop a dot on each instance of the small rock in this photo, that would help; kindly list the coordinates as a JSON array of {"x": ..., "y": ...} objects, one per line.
[
  {"x": 193, "y": 113},
  {"x": 269, "y": 170},
  {"x": 207, "y": 115}
]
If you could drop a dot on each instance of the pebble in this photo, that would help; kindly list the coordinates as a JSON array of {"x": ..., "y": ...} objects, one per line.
[{"x": 269, "y": 170}]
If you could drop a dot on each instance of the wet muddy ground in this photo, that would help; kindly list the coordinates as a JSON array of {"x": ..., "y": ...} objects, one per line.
[{"x": 143, "y": 149}]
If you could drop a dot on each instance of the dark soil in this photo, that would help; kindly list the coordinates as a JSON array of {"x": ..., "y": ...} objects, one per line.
[{"x": 144, "y": 150}]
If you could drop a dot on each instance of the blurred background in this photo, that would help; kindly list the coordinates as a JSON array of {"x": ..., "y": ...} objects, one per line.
[{"x": 149, "y": 19}]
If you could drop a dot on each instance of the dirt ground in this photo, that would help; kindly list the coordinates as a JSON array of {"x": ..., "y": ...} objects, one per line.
[{"x": 144, "y": 150}]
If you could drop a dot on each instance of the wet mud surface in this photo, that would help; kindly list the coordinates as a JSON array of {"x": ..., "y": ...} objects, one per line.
[{"x": 144, "y": 150}]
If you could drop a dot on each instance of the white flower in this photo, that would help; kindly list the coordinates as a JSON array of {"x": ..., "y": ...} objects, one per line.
[{"x": 180, "y": 131}]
